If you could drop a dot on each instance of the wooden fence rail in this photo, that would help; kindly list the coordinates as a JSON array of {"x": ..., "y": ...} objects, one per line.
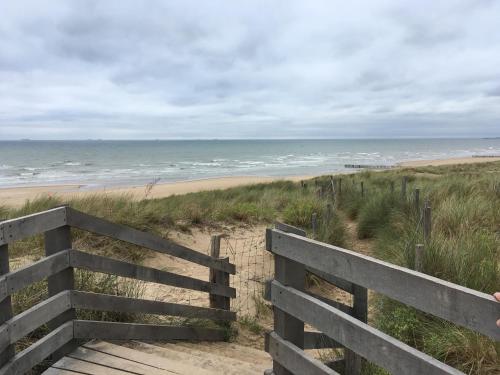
[
  {"x": 59, "y": 310},
  {"x": 347, "y": 328}
]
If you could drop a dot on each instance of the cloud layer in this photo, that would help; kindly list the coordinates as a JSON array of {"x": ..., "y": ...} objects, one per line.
[{"x": 257, "y": 69}]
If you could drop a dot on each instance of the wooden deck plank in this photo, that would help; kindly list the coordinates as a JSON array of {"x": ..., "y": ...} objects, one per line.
[
  {"x": 111, "y": 361},
  {"x": 82, "y": 367},
  {"x": 145, "y": 358}
]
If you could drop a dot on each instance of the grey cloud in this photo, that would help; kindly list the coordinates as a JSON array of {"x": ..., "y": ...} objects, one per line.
[{"x": 133, "y": 69}]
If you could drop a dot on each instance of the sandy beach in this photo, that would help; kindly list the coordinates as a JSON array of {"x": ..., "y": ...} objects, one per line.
[{"x": 15, "y": 197}]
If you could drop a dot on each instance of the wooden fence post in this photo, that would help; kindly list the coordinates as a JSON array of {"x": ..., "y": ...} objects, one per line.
[
  {"x": 427, "y": 221},
  {"x": 419, "y": 254},
  {"x": 404, "y": 182},
  {"x": 353, "y": 361},
  {"x": 218, "y": 277},
  {"x": 314, "y": 224},
  {"x": 57, "y": 240},
  {"x": 417, "y": 199},
  {"x": 340, "y": 186},
  {"x": 362, "y": 189},
  {"x": 392, "y": 187},
  {"x": 5, "y": 304},
  {"x": 293, "y": 274},
  {"x": 329, "y": 213}
]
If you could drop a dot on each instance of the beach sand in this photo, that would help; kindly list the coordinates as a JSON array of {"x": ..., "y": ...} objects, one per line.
[{"x": 15, "y": 197}]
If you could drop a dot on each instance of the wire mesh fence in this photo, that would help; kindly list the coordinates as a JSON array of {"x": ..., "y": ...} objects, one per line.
[{"x": 254, "y": 265}]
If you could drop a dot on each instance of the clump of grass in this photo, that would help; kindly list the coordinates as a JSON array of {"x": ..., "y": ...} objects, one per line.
[{"x": 375, "y": 213}]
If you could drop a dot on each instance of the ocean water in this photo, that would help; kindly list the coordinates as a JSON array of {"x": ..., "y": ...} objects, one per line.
[{"x": 115, "y": 163}]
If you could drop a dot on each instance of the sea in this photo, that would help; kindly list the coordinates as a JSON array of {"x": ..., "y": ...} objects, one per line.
[{"x": 98, "y": 163}]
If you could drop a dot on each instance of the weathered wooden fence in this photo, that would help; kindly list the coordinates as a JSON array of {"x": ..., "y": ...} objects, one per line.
[
  {"x": 295, "y": 255},
  {"x": 58, "y": 311}
]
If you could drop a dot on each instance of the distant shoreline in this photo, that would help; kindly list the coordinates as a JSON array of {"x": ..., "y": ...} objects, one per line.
[{"x": 16, "y": 196}]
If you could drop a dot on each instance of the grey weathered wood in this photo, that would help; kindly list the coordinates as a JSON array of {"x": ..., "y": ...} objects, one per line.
[
  {"x": 353, "y": 361},
  {"x": 23, "y": 277},
  {"x": 57, "y": 240},
  {"x": 362, "y": 189},
  {"x": 318, "y": 340},
  {"x": 293, "y": 358},
  {"x": 289, "y": 228},
  {"x": 88, "y": 329},
  {"x": 22, "y": 227},
  {"x": 417, "y": 199},
  {"x": 314, "y": 224},
  {"x": 419, "y": 256},
  {"x": 75, "y": 366},
  {"x": 288, "y": 327},
  {"x": 36, "y": 353},
  {"x": 36, "y": 316},
  {"x": 460, "y": 305},
  {"x": 7, "y": 351},
  {"x": 218, "y": 277},
  {"x": 375, "y": 346},
  {"x": 105, "y": 302},
  {"x": 427, "y": 219},
  {"x": 98, "y": 263},
  {"x": 404, "y": 183},
  {"x": 338, "y": 305},
  {"x": 121, "y": 232},
  {"x": 114, "y": 362}
]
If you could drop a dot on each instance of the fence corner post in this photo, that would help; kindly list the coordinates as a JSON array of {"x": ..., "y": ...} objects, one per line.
[
  {"x": 218, "y": 277},
  {"x": 57, "y": 240}
]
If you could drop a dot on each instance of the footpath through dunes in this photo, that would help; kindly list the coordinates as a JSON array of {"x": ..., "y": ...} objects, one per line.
[{"x": 107, "y": 358}]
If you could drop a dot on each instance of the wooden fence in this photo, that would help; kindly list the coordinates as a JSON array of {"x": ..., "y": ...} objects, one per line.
[
  {"x": 59, "y": 310},
  {"x": 295, "y": 255}
]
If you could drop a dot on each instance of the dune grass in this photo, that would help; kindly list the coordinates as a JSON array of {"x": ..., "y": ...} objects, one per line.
[{"x": 464, "y": 245}]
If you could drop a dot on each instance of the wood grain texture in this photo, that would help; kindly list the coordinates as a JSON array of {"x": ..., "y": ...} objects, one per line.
[
  {"x": 377, "y": 347},
  {"x": 96, "y": 263},
  {"x": 106, "y": 228},
  {"x": 84, "y": 329},
  {"x": 460, "y": 305},
  {"x": 23, "y": 277},
  {"x": 7, "y": 350},
  {"x": 36, "y": 316},
  {"x": 36, "y": 353},
  {"x": 293, "y": 358},
  {"x": 22, "y": 227},
  {"x": 105, "y": 302}
]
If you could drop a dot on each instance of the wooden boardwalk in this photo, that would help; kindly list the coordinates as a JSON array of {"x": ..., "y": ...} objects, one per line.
[{"x": 105, "y": 358}]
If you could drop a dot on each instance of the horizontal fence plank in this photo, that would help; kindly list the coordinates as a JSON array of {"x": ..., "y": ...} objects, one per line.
[
  {"x": 375, "y": 346},
  {"x": 338, "y": 305},
  {"x": 22, "y": 227},
  {"x": 23, "y": 277},
  {"x": 318, "y": 340},
  {"x": 36, "y": 353},
  {"x": 96, "y": 263},
  {"x": 460, "y": 305},
  {"x": 104, "y": 227},
  {"x": 36, "y": 316},
  {"x": 106, "y": 302},
  {"x": 293, "y": 358},
  {"x": 88, "y": 329},
  {"x": 289, "y": 229}
]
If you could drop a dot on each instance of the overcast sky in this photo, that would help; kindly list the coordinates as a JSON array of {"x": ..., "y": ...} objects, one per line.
[{"x": 249, "y": 69}]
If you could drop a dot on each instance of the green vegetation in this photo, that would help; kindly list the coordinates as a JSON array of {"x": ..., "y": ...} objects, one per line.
[{"x": 464, "y": 245}]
